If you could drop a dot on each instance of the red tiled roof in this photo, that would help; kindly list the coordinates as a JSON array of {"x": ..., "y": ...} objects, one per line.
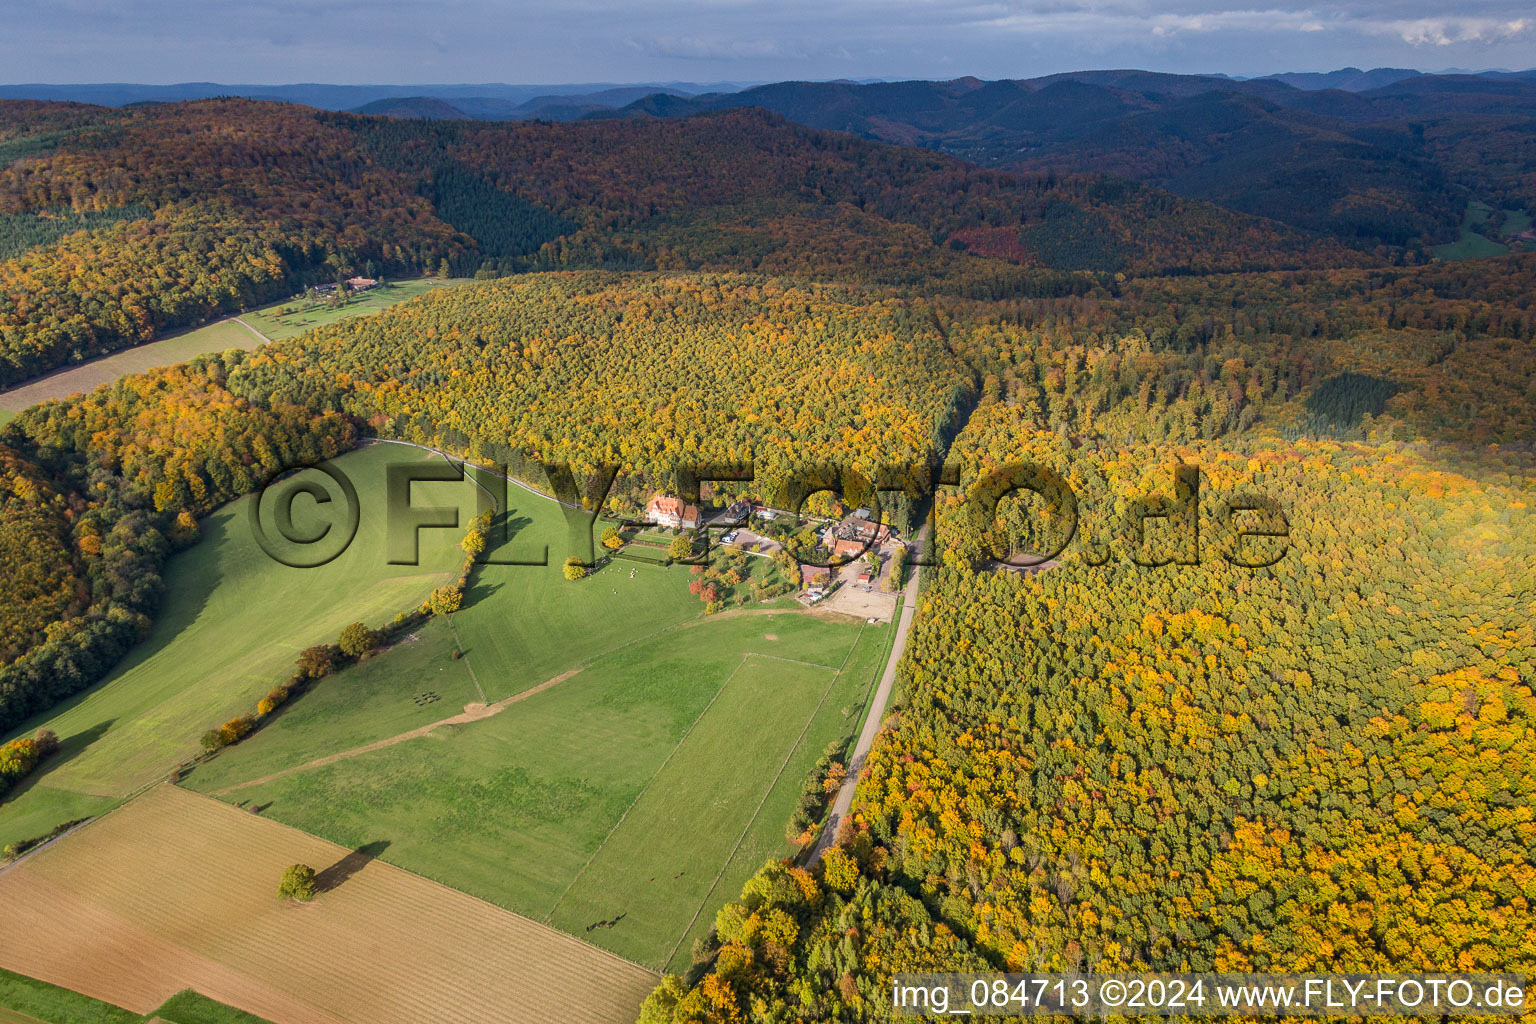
[{"x": 665, "y": 505}]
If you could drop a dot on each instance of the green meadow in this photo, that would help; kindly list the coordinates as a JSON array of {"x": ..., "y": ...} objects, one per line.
[
  {"x": 1472, "y": 243},
  {"x": 598, "y": 754},
  {"x": 229, "y": 629},
  {"x": 26, "y": 1000},
  {"x": 280, "y": 320},
  {"x": 224, "y": 334},
  {"x": 623, "y": 804}
]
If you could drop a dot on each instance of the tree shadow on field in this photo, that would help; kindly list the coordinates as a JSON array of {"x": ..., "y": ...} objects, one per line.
[
  {"x": 338, "y": 873},
  {"x": 506, "y": 527},
  {"x": 70, "y": 747},
  {"x": 479, "y": 592},
  {"x": 510, "y": 524}
]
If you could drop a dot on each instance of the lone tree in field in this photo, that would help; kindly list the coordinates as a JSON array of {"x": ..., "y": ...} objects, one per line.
[
  {"x": 46, "y": 742},
  {"x": 445, "y": 600},
  {"x": 680, "y": 548},
  {"x": 298, "y": 884},
  {"x": 357, "y": 640},
  {"x": 574, "y": 569}
]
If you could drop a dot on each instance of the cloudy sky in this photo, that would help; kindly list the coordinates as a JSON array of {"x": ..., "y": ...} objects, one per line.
[{"x": 556, "y": 41}]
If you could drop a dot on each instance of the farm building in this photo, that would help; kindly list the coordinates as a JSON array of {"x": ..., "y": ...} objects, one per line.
[
  {"x": 737, "y": 512},
  {"x": 855, "y": 535}
]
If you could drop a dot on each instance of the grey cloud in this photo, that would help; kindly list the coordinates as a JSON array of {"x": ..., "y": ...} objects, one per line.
[{"x": 609, "y": 40}]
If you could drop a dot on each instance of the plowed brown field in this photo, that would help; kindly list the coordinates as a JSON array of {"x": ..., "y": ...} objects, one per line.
[{"x": 175, "y": 891}]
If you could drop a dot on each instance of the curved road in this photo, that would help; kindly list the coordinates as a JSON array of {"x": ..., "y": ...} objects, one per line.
[
  {"x": 476, "y": 467},
  {"x": 876, "y": 712},
  {"x": 248, "y": 326}
]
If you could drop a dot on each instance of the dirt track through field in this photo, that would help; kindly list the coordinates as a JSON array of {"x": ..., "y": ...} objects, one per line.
[
  {"x": 175, "y": 890},
  {"x": 471, "y": 713},
  {"x": 262, "y": 338},
  {"x": 479, "y": 712}
]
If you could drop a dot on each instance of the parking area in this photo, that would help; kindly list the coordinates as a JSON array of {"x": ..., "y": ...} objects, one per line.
[
  {"x": 867, "y": 601},
  {"x": 749, "y": 541},
  {"x": 866, "y": 598}
]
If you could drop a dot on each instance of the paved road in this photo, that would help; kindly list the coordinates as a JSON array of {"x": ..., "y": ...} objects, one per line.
[
  {"x": 472, "y": 466},
  {"x": 876, "y": 713}
]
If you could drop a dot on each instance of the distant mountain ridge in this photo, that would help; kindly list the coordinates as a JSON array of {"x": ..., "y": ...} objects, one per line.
[
  {"x": 1386, "y": 156},
  {"x": 427, "y": 108},
  {"x": 1348, "y": 79},
  {"x": 545, "y": 107},
  {"x": 498, "y": 100},
  {"x": 339, "y": 97},
  {"x": 1337, "y": 154}
]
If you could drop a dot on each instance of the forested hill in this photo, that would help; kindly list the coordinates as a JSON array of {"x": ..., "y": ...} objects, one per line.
[
  {"x": 1324, "y": 764},
  {"x": 1393, "y": 162},
  {"x": 116, "y": 224}
]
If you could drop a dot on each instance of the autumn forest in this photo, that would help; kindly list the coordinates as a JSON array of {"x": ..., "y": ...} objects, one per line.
[{"x": 1179, "y": 763}]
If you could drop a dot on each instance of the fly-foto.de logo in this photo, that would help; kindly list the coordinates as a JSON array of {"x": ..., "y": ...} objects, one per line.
[{"x": 1019, "y": 516}]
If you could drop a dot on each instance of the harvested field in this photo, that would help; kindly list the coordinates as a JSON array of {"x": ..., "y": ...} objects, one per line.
[{"x": 175, "y": 891}]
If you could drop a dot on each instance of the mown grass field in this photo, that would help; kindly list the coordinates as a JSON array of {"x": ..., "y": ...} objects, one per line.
[
  {"x": 232, "y": 622},
  {"x": 173, "y": 890},
  {"x": 306, "y": 316},
  {"x": 641, "y": 790},
  {"x": 840, "y": 717},
  {"x": 216, "y": 337},
  {"x": 666, "y": 859},
  {"x": 413, "y": 683},
  {"x": 26, "y": 1000},
  {"x": 523, "y": 624}
]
